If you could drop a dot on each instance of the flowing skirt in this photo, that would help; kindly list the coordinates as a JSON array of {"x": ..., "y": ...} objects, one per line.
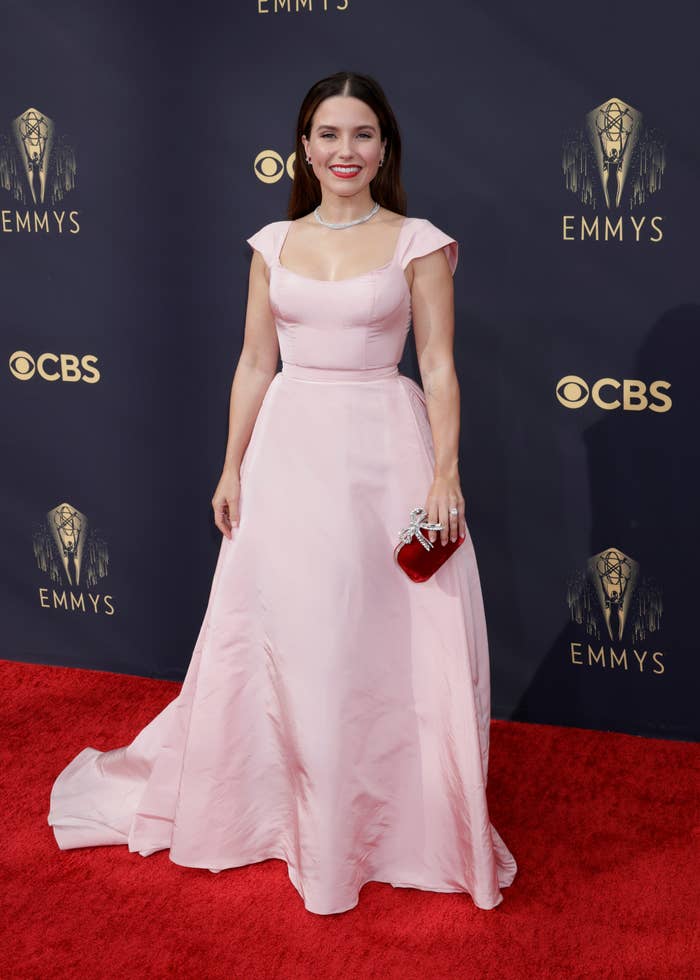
[{"x": 335, "y": 714}]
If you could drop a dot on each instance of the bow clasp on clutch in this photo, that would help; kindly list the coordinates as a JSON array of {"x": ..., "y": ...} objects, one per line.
[{"x": 414, "y": 528}]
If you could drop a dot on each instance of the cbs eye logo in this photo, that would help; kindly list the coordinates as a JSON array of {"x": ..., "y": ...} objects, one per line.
[
  {"x": 54, "y": 367},
  {"x": 269, "y": 166},
  {"x": 630, "y": 395}
]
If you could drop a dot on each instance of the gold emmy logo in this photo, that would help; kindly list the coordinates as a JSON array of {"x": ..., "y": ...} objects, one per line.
[
  {"x": 35, "y": 166},
  {"x": 610, "y": 596},
  {"x": 611, "y": 161},
  {"x": 287, "y": 8},
  {"x": 38, "y": 168},
  {"x": 69, "y": 552},
  {"x": 612, "y": 144}
]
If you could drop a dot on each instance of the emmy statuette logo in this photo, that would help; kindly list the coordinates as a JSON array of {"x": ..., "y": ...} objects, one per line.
[
  {"x": 613, "y": 163},
  {"x": 75, "y": 558},
  {"x": 619, "y": 610},
  {"x": 38, "y": 170}
]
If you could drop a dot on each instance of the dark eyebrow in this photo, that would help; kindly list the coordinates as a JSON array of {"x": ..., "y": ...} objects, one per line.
[{"x": 327, "y": 126}]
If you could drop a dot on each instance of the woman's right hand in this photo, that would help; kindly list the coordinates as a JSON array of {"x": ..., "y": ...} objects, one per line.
[{"x": 226, "y": 501}]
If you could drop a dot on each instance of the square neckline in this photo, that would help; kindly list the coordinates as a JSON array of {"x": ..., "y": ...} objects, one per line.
[{"x": 362, "y": 275}]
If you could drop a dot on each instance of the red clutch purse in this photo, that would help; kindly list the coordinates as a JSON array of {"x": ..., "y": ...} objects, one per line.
[{"x": 416, "y": 554}]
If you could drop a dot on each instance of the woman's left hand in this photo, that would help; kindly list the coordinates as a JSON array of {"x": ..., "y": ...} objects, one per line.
[{"x": 444, "y": 495}]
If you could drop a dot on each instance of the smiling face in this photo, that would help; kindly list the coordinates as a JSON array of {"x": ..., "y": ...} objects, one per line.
[{"x": 345, "y": 145}]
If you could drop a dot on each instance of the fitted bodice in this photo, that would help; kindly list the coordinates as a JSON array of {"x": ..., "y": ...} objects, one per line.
[{"x": 360, "y": 322}]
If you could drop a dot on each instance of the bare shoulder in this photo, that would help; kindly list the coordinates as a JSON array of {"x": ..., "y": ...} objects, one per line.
[{"x": 392, "y": 218}]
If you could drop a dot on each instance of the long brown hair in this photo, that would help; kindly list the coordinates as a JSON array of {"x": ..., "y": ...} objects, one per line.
[{"x": 386, "y": 187}]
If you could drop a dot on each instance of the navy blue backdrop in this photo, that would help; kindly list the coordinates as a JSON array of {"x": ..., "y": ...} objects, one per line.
[{"x": 164, "y": 138}]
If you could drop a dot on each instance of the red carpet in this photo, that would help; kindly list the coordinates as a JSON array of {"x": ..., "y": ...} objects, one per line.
[{"x": 604, "y": 827}]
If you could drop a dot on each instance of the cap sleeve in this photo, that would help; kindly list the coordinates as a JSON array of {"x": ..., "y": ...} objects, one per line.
[
  {"x": 424, "y": 238},
  {"x": 265, "y": 241}
]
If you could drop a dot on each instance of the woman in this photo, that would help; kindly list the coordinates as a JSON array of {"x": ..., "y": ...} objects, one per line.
[{"x": 335, "y": 714}]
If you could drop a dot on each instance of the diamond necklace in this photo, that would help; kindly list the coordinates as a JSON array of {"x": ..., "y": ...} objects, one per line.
[{"x": 345, "y": 224}]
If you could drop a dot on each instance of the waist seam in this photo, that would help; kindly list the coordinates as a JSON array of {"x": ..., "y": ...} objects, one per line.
[{"x": 308, "y": 373}]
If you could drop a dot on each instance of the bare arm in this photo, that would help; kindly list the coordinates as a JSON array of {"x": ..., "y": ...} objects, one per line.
[
  {"x": 432, "y": 299},
  {"x": 255, "y": 370}
]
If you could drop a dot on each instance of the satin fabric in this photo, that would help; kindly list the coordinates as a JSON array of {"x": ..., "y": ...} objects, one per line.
[{"x": 334, "y": 714}]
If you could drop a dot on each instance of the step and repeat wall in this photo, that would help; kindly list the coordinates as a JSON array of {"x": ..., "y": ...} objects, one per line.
[{"x": 141, "y": 144}]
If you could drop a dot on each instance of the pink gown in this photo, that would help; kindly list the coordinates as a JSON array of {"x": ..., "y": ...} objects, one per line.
[{"x": 334, "y": 713}]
